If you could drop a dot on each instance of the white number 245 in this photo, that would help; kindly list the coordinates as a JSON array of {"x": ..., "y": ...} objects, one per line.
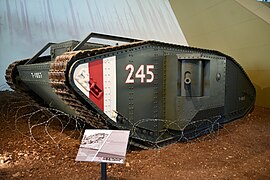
[{"x": 140, "y": 73}]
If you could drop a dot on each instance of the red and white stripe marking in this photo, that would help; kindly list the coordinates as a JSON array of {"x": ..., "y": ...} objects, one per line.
[{"x": 101, "y": 75}]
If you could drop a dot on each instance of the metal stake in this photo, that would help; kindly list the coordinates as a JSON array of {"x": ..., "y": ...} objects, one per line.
[{"x": 103, "y": 171}]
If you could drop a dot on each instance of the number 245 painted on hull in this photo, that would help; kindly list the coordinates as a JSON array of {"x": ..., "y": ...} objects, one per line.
[{"x": 140, "y": 74}]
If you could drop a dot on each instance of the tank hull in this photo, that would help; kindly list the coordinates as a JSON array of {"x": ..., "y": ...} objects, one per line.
[{"x": 161, "y": 92}]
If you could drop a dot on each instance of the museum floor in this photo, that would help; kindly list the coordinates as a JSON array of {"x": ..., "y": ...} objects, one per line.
[{"x": 240, "y": 150}]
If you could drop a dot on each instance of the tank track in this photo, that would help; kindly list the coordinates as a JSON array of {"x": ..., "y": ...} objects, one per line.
[
  {"x": 11, "y": 74},
  {"x": 57, "y": 76},
  {"x": 59, "y": 81}
]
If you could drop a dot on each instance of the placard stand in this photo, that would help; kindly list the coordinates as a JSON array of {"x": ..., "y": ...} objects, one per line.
[
  {"x": 103, "y": 171},
  {"x": 104, "y": 146}
]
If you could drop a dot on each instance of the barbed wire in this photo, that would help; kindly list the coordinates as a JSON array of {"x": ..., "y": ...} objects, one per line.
[
  {"x": 21, "y": 109},
  {"x": 206, "y": 127}
]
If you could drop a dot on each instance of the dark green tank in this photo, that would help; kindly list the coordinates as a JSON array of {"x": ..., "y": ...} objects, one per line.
[{"x": 162, "y": 92}]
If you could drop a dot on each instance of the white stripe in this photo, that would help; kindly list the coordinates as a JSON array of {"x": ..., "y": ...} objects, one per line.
[
  {"x": 109, "y": 83},
  {"x": 81, "y": 78}
]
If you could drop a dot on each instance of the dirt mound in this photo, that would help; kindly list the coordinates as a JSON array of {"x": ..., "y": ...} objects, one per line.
[{"x": 38, "y": 144}]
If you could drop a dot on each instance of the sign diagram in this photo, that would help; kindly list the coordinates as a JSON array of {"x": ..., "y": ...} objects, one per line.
[{"x": 103, "y": 146}]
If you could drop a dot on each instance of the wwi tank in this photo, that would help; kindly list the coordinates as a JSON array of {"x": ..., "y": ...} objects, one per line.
[{"x": 162, "y": 92}]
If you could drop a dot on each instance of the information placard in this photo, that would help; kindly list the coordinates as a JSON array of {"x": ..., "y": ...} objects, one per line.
[{"x": 103, "y": 146}]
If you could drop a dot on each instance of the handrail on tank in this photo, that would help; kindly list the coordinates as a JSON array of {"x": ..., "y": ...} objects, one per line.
[
  {"x": 106, "y": 37},
  {"x": 91, "y": 35},
  {"x": 34, "y": 58}
]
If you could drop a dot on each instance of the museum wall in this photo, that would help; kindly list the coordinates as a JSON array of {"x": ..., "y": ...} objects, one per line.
[
  {"x": 27, "y": 25},
  {"x": 239, "y": 28}
]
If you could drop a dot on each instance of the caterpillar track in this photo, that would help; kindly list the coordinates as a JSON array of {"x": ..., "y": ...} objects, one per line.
[{"x": 162, "y": 92}]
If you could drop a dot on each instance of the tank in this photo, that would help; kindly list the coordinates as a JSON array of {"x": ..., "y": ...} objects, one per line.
[{"x": 161, "y": 92}]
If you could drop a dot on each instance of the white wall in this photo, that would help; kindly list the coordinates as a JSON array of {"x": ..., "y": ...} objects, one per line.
[{"x": 26, "y": 25}]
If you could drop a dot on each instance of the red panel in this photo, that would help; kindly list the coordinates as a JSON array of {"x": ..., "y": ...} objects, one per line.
[{"x": 96, "y": 83}]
